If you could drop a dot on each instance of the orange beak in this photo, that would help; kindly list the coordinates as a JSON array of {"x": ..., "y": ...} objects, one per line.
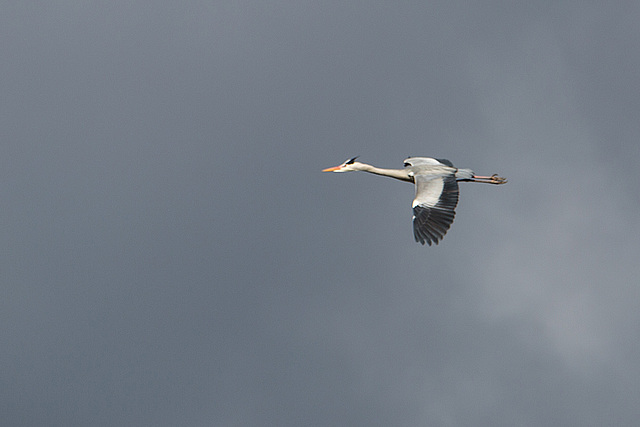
[{"x": 335, "y": 168}]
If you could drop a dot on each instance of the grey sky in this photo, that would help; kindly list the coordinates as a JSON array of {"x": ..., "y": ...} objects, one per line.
[{"x": 172, "y": 254}]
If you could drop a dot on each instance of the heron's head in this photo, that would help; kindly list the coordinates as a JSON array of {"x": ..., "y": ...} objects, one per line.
[{"x": 348, "y": 166}]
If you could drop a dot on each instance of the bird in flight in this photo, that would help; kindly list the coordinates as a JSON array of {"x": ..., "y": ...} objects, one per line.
[{"x": 436, "y": 183}]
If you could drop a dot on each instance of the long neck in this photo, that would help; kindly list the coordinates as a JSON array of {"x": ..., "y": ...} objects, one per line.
[{"x": 401, "y": 174}]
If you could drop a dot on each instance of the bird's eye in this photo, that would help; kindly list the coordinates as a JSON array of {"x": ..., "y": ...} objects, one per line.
[{"x": 407, "y": 164}]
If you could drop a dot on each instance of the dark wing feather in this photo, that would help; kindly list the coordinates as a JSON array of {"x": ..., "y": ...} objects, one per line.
[
  {"x": 433, "y": 207},
  {"x": 446, "y": 162}
]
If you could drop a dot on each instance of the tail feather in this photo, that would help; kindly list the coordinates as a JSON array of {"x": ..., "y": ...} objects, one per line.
[{"x": 464, "y": 174}]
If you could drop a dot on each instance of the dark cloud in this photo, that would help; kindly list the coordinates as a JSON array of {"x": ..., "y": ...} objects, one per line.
[{"x": 174, "y": 256}]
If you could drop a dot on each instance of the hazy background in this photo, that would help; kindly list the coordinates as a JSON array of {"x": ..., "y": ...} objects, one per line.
[{"x": 172, "y": 254}]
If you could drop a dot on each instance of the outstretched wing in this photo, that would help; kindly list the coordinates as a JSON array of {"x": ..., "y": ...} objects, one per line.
[{"x": 433, "y": 207}]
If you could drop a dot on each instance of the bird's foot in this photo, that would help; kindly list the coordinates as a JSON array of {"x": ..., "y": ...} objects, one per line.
[{"x": 495, "y": 179}]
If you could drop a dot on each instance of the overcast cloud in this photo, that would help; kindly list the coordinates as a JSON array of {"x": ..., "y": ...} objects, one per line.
[{"x": 172, "y": 254}]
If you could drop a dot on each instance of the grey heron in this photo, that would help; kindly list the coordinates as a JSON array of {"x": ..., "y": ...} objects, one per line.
[{"x": 436, "y": 184}]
